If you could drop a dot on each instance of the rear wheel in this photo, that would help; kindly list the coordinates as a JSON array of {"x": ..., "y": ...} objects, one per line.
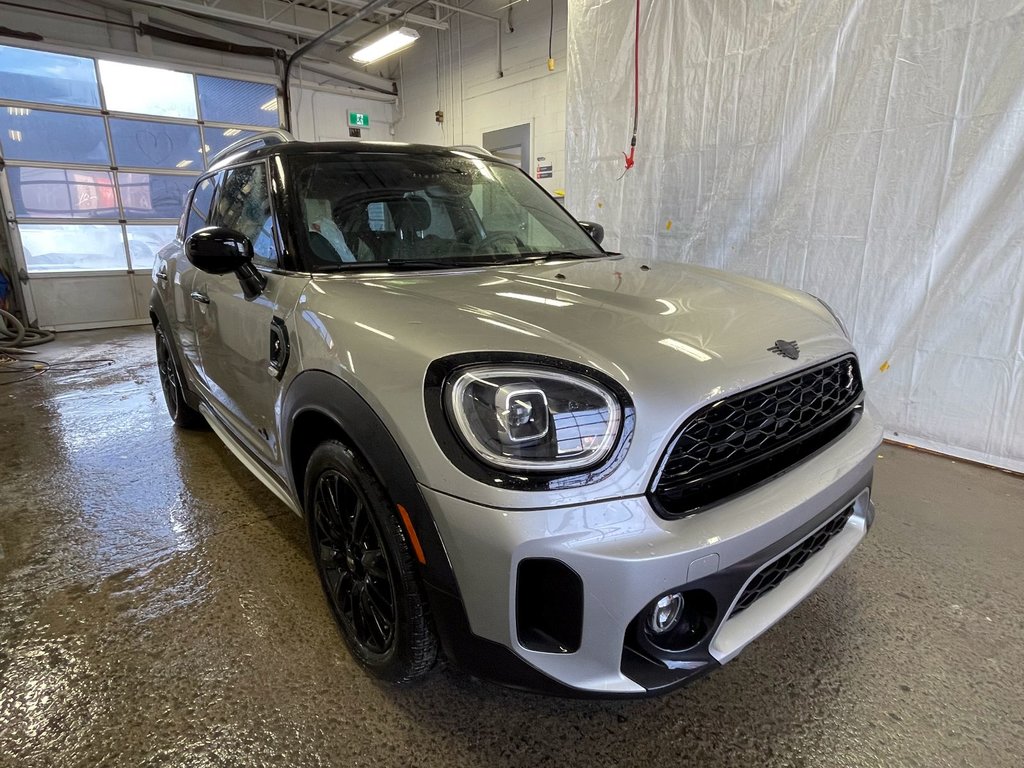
[
  {"x": 181, "y": 412},
  {"x": 363, "y": 557}
]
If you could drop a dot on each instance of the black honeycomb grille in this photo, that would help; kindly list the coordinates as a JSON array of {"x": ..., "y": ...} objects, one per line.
[
  {"x": 769, "y": 578},
  {"x": 741, "y": 440}
]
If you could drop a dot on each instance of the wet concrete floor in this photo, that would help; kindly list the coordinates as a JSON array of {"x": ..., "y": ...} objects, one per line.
[{"x": 158, "y": 608}]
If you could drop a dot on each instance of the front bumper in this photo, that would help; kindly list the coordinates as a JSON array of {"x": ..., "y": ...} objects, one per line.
[{"x": 626, "y": 556}]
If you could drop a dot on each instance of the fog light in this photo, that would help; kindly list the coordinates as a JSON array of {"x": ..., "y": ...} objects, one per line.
[{"x": 666, "y": 613}]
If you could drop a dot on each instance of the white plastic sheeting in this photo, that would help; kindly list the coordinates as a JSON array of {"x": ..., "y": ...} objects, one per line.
[{"x": 870, "y": 152}]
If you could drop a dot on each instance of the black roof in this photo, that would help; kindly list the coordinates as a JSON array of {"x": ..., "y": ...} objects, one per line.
[{"x": 288, "y": 148}]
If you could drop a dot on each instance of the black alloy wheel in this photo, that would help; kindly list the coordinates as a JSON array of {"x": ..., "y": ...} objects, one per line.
[
  {"x": 366, "y": 569},
  {"x": 182, "y": 414}
]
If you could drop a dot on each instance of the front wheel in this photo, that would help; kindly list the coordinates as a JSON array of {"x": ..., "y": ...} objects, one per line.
[
  {"x": 363, "y": 557},
  {"x": 181, "y": 412}
]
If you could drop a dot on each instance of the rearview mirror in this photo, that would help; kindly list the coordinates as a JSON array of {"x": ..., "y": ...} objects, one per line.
[
  {"x": 219, "y": 250},
  {"x": 596, "y": 231}
]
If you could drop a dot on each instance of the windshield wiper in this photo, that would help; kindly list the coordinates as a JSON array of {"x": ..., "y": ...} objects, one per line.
[
  {"x": 559, "y": 255},
  {"x": 401, "y": 265}
]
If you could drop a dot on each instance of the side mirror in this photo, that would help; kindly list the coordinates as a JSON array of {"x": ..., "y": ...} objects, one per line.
[
  {"x": 219, "y": 251},
  {"x": 596, "y": 231}
]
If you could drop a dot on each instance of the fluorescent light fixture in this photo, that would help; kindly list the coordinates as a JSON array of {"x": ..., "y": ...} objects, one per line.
[
  {"x": 232, "y": 132},
  {"x": 269, "y": 106},
  {"x": 15, "y": 135},
  {"x": 387, "y": 45},
  {"x": 183, "y": 164}
]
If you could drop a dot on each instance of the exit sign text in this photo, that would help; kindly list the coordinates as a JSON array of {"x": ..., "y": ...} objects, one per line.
[{"x": 358, "y": 120}]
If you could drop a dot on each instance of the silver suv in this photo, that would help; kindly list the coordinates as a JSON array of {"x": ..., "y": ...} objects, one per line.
[{"x": 560, "y": 468}]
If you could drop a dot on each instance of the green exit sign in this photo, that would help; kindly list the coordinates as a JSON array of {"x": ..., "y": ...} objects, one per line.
[{"x": 358, "y": 120}]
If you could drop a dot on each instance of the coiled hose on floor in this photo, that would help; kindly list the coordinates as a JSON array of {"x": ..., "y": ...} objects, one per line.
[{"x": 14, "y": 335}]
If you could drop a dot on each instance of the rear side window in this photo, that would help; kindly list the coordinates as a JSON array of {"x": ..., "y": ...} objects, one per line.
[
  {"x": 243, "y": 204},
  {"x": 199, "y": 210}
]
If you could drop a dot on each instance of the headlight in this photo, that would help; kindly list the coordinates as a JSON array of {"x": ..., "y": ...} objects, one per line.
[{"x": 526, "y": 418}]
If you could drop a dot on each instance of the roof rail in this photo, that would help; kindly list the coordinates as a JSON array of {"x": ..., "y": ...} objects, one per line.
[
  {"x": 266, "y": 138},
  {"x": 472, "y": 148}
]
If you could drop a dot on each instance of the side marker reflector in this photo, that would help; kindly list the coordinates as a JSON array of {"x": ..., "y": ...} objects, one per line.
[{"x": 413, "y": 538}]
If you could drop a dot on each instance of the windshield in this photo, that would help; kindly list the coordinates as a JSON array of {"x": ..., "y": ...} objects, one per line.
[{"x": 430, "y": 211}]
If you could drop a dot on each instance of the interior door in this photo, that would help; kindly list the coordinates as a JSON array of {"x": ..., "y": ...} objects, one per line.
[
  {"x": 510, "y": 144},
  {"x": 234, "y": 334}
]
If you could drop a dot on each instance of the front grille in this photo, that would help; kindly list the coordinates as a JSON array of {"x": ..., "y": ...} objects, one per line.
[
  {"x": 744, "y": 439},
  {"x": 769, "y": 578}
]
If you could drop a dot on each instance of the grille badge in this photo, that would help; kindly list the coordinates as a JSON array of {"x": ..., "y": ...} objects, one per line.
[{"x": 788, "y": 349}]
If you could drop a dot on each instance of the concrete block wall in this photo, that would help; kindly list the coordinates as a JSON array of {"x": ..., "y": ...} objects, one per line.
[
  {"x": 320, "y": 115},
  {"x": 457, "y": 71}
]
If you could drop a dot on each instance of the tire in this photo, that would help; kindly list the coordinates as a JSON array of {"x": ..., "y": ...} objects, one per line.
[
  {"x": 363, "y": 557},
  {"x": 182, "y": 414}
]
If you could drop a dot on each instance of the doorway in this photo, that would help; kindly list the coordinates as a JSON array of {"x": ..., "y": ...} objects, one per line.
[{"x": 510, "y": 144}]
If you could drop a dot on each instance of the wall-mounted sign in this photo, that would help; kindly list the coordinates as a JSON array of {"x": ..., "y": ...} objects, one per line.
[
  {"x": 358, "y": 120},
  {"x": 545, "y": 171}
]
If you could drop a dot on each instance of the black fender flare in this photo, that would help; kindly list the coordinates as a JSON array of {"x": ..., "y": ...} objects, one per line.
[
  {"x": 325, "y": 394},
  {"x": 158, "y": 315}
]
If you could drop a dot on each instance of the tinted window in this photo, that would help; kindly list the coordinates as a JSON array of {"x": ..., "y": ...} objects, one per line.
[
  {"x": 48, "y": 77},
  {"x": 199, "y": 211},
  {"x": 55, "y": 137},
  {"x": 142, "y": 144},
  {"x": 224, "y": 100},
  {"x": 243, "y": 205},
  {"x": 62, "y": 193},
  {"x": 153, "y": 195}
]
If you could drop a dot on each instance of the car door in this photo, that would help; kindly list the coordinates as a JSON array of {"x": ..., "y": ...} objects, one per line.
[
  {"x": 236, "y": 335},
  {"x": 175, "y": 277}
]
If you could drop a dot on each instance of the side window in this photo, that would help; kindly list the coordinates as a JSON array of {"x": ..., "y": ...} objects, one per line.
[
  {"x": 199, "y": 210},
  {"x": 244, "y": 205}
]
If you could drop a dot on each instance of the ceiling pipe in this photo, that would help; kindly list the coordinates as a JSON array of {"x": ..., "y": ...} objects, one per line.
[{"x": 332, "y": 32}]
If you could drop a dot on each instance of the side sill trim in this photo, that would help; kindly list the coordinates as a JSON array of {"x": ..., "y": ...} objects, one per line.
[{"x": 248, "y": 461}]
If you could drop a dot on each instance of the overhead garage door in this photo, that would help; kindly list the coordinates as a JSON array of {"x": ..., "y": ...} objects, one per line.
[{"x": 98, "y": 156}]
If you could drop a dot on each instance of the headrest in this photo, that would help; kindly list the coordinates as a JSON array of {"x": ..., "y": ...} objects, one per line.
[{"x": 410, "y": 213}]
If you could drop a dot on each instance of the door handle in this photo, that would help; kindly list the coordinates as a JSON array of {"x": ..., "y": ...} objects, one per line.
[
  {"x": 161, "y": 275},
  {"x": 202, "y": 298}
]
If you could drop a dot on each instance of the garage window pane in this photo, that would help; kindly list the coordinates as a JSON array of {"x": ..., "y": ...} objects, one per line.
[
  {"x": 218, "y": 139},
  {"x": 69, "y": 247},
  {"x": 36, "y": 134},
  {"x": 56, "y": 193},
  {"x": 47, "y": 77},
  {"x": 153, "y": 195},
  {"x": 156, "y": 145},
  {"x": 148, "y": 90},
  {"x": 224, "y": 100},
  {"x": 145, "y": 242}
]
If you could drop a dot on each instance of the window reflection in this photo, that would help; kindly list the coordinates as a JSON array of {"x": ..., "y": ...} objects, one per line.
[{"x": 59, "y": 193}]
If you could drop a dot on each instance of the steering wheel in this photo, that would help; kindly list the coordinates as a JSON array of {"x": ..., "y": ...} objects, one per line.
[{"x": 498, "y": 243}]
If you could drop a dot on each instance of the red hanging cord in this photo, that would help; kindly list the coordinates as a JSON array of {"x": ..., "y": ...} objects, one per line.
[{"x": 631, "y": 157}]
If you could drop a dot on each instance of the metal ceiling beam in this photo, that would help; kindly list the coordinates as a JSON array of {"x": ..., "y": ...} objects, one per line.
[{"x": 272, "y": 24}]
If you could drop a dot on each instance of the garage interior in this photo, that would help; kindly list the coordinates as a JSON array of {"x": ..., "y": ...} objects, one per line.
[{"x": 159, "y": 607}]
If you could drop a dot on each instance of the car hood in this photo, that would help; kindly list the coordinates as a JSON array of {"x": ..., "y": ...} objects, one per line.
[
  {"x": 674, "y": 336},
  {"x": 659, "y": 325}
]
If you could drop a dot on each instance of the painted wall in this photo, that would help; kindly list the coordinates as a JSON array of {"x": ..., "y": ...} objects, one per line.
[{"x": 457, "y": 72}]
